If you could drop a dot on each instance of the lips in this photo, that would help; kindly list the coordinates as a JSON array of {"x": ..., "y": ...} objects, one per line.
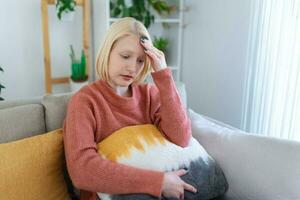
[{"x": 127, "y": 77}]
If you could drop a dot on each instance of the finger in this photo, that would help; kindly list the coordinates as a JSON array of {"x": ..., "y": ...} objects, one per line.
[
  {"x": 189, "y": 187},
  {"x": 180, "y": 172},
  {"x": 181, "y": 196},
  {"x": 145, "y": 43},
  {"x": 158, "y": 52},
  {"x": 151, "y": 55},
  {"x": 148, "y": 46}
]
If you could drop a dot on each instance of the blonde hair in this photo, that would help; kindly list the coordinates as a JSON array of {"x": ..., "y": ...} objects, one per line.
[{"x": 120, "y": 28}]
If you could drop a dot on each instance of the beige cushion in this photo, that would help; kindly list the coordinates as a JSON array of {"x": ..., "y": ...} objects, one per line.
[
  {"x": 31, "y": 168},
  {"x": 55, "y": 110},
  {"x": 21, "y": 122}
]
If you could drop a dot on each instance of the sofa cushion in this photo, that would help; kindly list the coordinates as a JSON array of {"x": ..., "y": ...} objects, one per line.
[
  {"x": 55, "y": 110},
  {"x": 31, "y": 168},
  {"x": 21, "y": 121}
]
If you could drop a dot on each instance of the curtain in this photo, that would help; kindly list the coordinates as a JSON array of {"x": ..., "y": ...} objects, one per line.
[{"x": 271, "y": 102}]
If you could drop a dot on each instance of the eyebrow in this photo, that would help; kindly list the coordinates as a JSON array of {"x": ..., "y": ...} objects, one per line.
[{"x": 129, "y": 51}]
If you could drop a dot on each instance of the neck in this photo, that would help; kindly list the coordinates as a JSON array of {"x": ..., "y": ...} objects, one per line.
[{"x": 122, "y": 91}]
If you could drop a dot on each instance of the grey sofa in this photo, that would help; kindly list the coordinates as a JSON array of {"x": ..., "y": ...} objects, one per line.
[{"x": 256, "y": 167}]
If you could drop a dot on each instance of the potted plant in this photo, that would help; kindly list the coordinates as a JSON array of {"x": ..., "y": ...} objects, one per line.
[
  {"x": 78, "y": 78},
  {"x": 65, "y": 9},
  {"x": 139, "y": 9},
  {"x": 1, "y": 86},
  {"x": 161, "y": 43}
]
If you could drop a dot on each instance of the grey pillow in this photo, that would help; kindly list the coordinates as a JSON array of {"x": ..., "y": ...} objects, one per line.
[{"x": 208, "y": 178}]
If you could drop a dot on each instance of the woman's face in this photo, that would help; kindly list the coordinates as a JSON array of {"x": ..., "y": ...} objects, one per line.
[{"x": 126, "y": 61}]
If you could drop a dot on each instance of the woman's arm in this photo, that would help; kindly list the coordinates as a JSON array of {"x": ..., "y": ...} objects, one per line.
[
  {"x": 167, "y": 110},
  {"x": 88, "y": 171}
]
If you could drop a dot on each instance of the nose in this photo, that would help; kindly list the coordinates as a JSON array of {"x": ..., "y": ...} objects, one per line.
[{"x": 132, "y": 67}]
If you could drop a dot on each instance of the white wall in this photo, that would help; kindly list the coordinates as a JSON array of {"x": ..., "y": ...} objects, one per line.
[
  {"x": 21, "y": 49},
  {"x": 214, "y": 51},
  {"x": 214, "y": 56}
]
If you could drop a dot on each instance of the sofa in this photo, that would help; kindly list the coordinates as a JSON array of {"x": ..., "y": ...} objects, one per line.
[{"x": 256, "y": 167}]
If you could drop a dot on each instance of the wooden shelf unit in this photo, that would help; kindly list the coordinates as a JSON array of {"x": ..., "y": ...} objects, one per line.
[{"x": 49, "y": 80}]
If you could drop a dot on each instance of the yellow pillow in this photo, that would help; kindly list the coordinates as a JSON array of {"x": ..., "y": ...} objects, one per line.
[{"x": 31, "y": 168}]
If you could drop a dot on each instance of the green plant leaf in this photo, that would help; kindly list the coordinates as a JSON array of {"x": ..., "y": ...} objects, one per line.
[
  {"x": 147, "y": 20},
  {"x": 161, "y": 43},
  {"x": 64, "y": 6},
  {"x": 161, "y": 6},
  {"x": 1, "y": 87},
  {"x": 140, "y": 9},
  {"x": 126, "y": 12},
  {"x": 115, "y": 12},
  {"x": 121, "y": 2},
  {"x": 140, "y": 5}
]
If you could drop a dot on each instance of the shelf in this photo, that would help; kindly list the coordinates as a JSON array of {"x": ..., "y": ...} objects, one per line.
[
  {"x": 167, "y": 20},
  {"x": 162, "y": 20}
]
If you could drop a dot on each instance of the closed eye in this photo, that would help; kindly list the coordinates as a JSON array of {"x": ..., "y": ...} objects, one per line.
[{"x": 124, "y": 56}]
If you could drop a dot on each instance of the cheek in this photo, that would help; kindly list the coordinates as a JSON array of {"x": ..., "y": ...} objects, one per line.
[
  {"x": 140, "y": 69},
  {"x": 120, "y": 63},
  {"x": 114, "y": 65}
]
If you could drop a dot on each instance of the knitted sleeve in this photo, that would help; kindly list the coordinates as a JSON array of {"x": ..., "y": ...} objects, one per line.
[
  {"x": 167, "y": 110},
  {"x": 87, "y": 170}
]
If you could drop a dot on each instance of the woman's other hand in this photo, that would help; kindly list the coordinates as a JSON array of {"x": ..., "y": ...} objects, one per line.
[
  {"x": 174, "y": 186},
  {"x": 157, "y": 57}
]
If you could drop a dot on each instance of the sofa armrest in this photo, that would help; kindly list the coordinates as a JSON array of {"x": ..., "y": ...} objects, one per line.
[{"x": 256, "y": 167}]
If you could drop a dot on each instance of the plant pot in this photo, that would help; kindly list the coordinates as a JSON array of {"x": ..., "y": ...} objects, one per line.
[{"x": 76, "y": 86}]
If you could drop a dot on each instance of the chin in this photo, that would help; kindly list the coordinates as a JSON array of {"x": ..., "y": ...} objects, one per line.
[{"x": 124, "y": 83}]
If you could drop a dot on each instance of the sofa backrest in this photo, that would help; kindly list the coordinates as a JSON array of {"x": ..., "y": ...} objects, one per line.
[{"x": 24, "y": 118}]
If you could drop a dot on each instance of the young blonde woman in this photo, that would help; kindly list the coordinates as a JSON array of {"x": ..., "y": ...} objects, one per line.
[{"x": 118, "y": 99}]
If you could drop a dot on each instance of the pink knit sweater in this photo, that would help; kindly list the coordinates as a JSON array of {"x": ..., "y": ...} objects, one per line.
[{"x": 96, "y": 111}]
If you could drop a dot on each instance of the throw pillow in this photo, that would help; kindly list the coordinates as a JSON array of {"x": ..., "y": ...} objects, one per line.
[
  {"x": 31, "y": 168},
  {"x": 140, "y": 145}
]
